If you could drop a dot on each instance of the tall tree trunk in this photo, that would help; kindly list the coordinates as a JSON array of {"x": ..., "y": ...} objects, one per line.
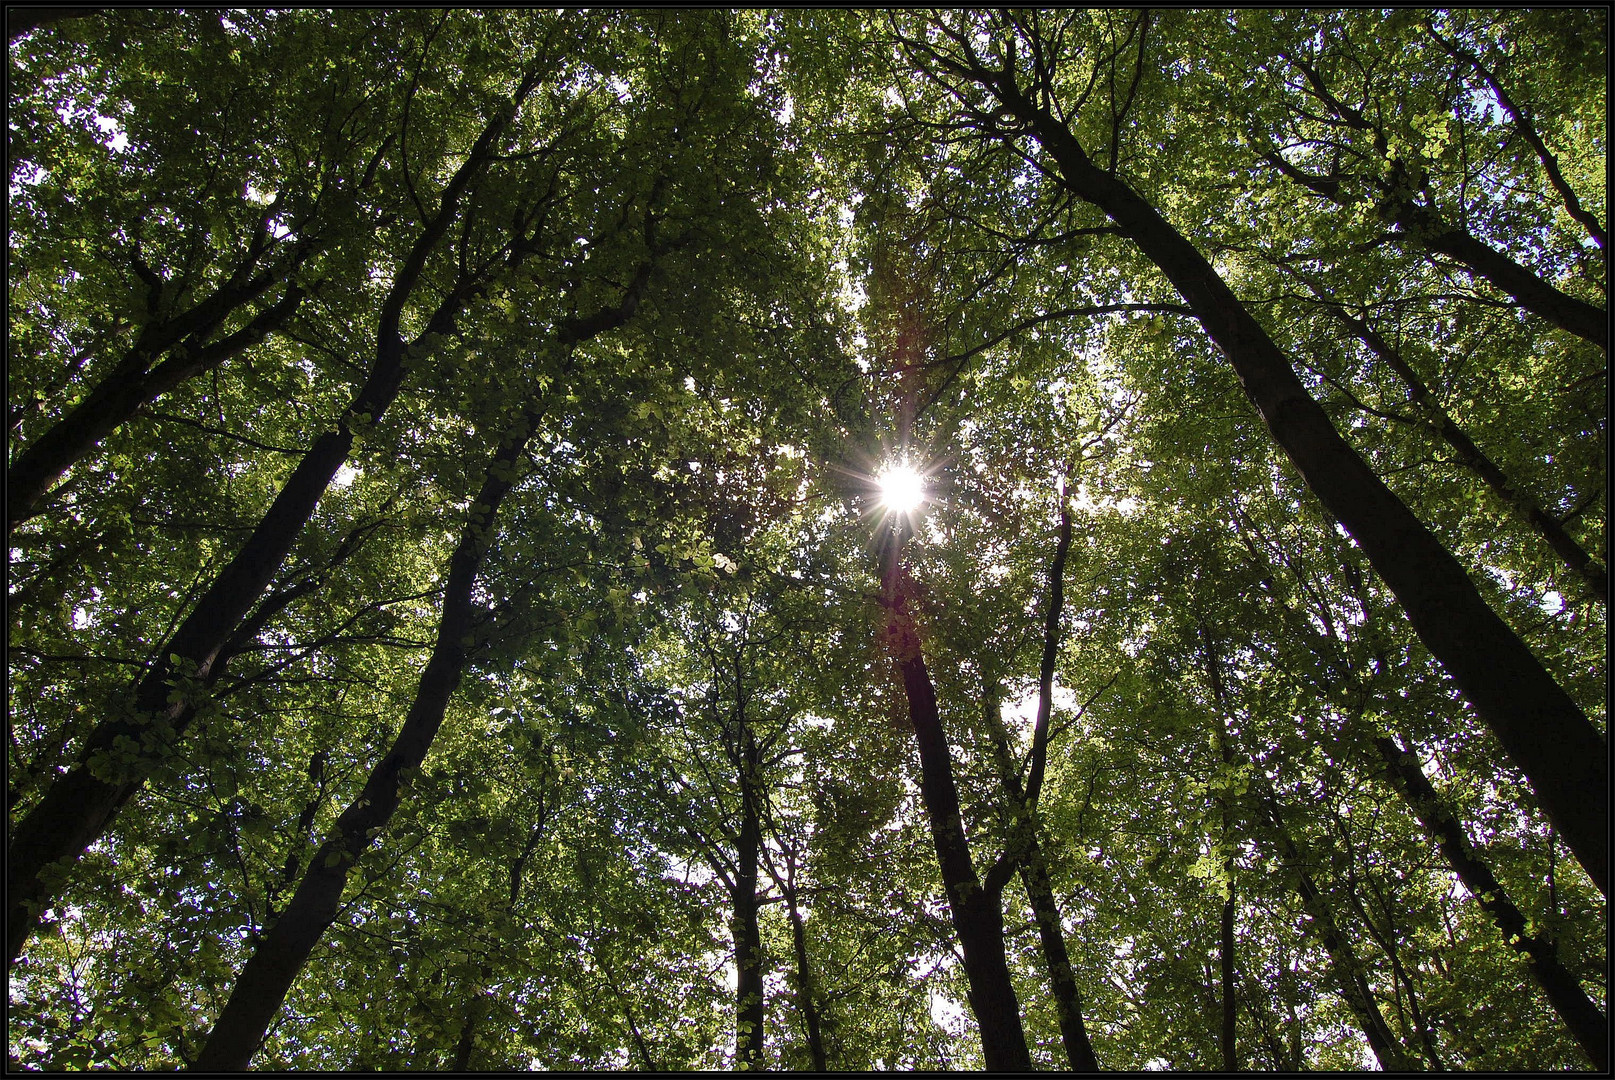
[
  {"x": 804, "y": 970},
  {"x": 76, "y": 808},
  {"x": 1026, "y": 855},
  {"x": 281, "y": 954},
  {"x": 263, "y": 983},
  {"x": 1230, "y": 1015},
  {"x": 978, "y": 920},
  {"x": 1225, "y": 750},
  {"x": 1581, "y": 1016},
  {"x": 1543, "y": 730},
  {"x": 1034, "y": 872},
  {"x": 1386, "y": 939},
  {"x": 1593, "y": 573},
  {"x": 1348, "y": 972},
  {"x": 467, "y": 1041},
  {"x": 748, "y": 939}
]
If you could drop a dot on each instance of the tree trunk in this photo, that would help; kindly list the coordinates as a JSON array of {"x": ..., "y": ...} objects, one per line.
[
  {"x": 268, "y": 975},
  {"x": 978, "y": 921},
  {"x": 1034, "y": 873},
  {"x": 76, "y": 808},
  {"x": 1586, "y": 1022},
  {"x": 804, "y": 981},
  {"x": 1386, "y": 940},
  {"x": 748, "y": 939},
  {"x": 1225, "y": 750},
  {"x": 1528, "y": 131},
  {"x": 281, "y": 954},
  {"x": 1230, "y": 1015},
  {"x": 1347, "y": 971},
  {"x": 1545, "y": 733},
  {"x": 1026, "y": 855},
  {"x": 1574, "y": 316},
  {"x": 467, "y": 1042},
  {"x": 1593, "y": 573}
]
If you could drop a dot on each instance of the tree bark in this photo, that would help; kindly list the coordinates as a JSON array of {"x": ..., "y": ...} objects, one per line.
[
  {"x": 1025, "y": 854},
  {"x": 804, "y": 978},
  {"x": 1592, "y": 572},
  {"x": 1225, "y": 750},
  {"x": 1347, "y": 970},
  {"x": 1230, "y": 1014},
  {"x": 1543, "y": 730},
  {"x": 1587, "y": 1024},
  {"x": 467, "y": 1041},
  {"x": 76, "y": 808},
  {"x": 978, "y": 920},
  {"x": 268, "y": 975},
  {"x": 281, "y": 954},
  {"x": 1034, "y": 872},
  {"x": 1425, "y": 226},
  {"x": 1051, "y": 652},
  {"x": 748, "y": 939}
]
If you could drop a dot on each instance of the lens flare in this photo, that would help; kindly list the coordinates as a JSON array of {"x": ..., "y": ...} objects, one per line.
[{"x": 902, "y": 488}]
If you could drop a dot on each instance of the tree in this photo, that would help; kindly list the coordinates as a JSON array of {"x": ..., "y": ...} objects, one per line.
[{"x": 456, "y": 621}]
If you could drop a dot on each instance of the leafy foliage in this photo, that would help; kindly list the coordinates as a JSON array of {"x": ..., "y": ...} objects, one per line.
[{"x": 820, "y": 248}]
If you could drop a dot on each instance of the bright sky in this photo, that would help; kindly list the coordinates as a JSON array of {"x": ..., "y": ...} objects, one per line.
[{"x": 902, "y": 488}]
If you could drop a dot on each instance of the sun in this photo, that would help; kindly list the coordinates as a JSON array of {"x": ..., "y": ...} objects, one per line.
[{"x": 902, "y": 488}]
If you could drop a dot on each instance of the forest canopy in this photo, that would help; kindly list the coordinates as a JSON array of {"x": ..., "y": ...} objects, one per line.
[{"x": 807, "y": 539}]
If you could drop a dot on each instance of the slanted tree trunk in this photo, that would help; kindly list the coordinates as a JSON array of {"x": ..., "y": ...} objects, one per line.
[
  {"x": 1586, "y": 1022},
  {"x": 1545, "y": 733},
  {"x": 1386, "y": 939},
  {"x": 978, "y": 920},
  {"x": 1034, "y": 872},
  {"x": 1574, "y": 556},
  {"x": 1027, "y": 853},
  {"x": 1528, "y": 131},
  {"x": 122, "y": 750},
  {"x": 1026, "y": 856},
  {"x": 282, "y": 952},
  {"x": 803, "y": 979},
  {"x": 1534, "y": 294},
  {"x": 1343, "y": 963},
  {"x": 268, "y": 975}
]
